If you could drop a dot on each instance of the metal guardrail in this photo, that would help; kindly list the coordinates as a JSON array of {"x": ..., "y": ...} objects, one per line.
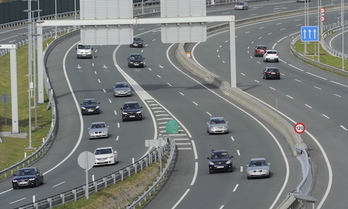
[
  {"x": 111, "y": 179},
  {"x": 330, "y": 29}
]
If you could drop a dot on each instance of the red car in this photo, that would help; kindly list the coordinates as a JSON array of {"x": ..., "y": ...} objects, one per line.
[{"x": 260, "y": 50}]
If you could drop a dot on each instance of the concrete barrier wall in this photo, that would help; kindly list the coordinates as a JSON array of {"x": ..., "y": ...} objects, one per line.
[{"x": 261, "y": 110}]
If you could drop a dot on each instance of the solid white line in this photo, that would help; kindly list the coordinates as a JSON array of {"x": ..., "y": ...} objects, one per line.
[
  {"x": 195, "y": 174},
  {"x": 194, "y": 149},
  {"x": 182, "y": 197}
]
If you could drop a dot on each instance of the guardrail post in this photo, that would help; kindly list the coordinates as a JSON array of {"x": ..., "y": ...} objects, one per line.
[
  {"x": 135, "y": 168},
  {"x": 121, "y": 173},
  {"x": 74, "y": 193},
  {"x": 105, "y": 182},
  {"x": 114, "y": 177},
  {"x": 128, "y": 169},
  {"x": 49, "y": 200},
  {"x": 62, "y": 196},
  {"x": 95, "y": 185}
]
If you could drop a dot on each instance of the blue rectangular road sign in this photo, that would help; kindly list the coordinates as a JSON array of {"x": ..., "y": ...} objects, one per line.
[{"x": 309, "y": 33}]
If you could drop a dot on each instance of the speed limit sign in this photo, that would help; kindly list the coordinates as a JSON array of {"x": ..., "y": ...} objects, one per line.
[{"x": 299, "y": 128}]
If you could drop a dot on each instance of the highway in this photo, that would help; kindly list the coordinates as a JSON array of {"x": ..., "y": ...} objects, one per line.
[{"x": 298, "y": 95}]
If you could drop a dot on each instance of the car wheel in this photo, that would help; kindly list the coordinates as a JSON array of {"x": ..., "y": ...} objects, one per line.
[
  {"x": 37, "y": 183},
  {"x": 14, "y": 186},
  {"x": 42, "y": 181},
  {"x": 210, "y": 172},
  {"x": 248, "y": 177},
  {"x": 123, "y": 119}
]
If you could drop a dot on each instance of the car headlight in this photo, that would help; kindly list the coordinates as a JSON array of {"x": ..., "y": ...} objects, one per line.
[
  {"x": 211, "y": 163},
  {"x": 97, "y": 107},
  {"x": 131, "y": 62},
  {"x": 83, "y": 108},
  {"x": 31, "y": 179},
  {"x": 14, "y": 180},
  {"x": 138, "y": 112},
  {"x": 229, "y": 162}
]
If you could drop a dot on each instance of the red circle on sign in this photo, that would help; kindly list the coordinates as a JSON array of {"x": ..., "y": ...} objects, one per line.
[
  {"x": 322, "y": 10},
  {"x": 322, "y": 19},
  {"x": 299, "y": 128}
]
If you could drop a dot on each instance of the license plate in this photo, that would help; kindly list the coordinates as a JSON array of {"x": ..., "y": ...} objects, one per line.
[
  {"x": 90, "y": 110},
  {"x": 132, "y": 116},
  {"x": 219, "y": 166},
  {"x": 273, "y": 73}
]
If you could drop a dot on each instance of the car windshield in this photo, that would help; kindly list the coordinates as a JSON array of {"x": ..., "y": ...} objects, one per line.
[
  {"x": 90, "y": 102},
  {"x": 219, "y": 155},
  {"x": 255, "y": 163},
  {"x": 136, "y": 57},
  {"x": 103, "y": 151},
  {"x": 137, "y": 39},
  {"x": 83, "y": 46},
  {"x": 261, "y": 47},
  {"x": 217, "y": 121},
  {"x": 271, "y": 52},
  {"x": 98, "y": 125},
  {"x": 24, "y": 172},
  {"x": 121, "y": 85},
  {"x": 131, "y": 106}
]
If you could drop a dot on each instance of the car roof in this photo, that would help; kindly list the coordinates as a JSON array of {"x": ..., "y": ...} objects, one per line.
[
  {"x": 131, "y": 102},
  {"x": 270, "y": 50},
  {"x": 255, "y": 159},
  {"x": 212, "y": 118},
  {"x": 135, "y": 53},
  {"x": 260, "y": 45},
  {"x": 103, "y": 148},
  {"x": 28, "y": 168},
  {"x": 89, "y": 99},
  {"x": 222, "y": 150},
  {"x": 97, "y": 122}
]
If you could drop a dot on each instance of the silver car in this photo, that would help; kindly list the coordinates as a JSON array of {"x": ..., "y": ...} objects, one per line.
[
  {"x": 122, "y": 89},
  {"x": 258, "y": 167},
  {"x": 105, "y": 156},
  {"x": 271, "y": 55},
  {"x": 217, "y": 125},
  {"x": 98, "y": 130},
  {"x": 241, "y": 6}
]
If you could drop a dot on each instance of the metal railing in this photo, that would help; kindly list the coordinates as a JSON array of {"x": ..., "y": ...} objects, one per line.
[{"x": 167, "y": 152}]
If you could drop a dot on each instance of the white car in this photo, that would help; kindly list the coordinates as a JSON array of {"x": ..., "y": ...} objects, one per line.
[
  {"x": 241, "y": 6},
  {"x": 105, "y": 156},
  {"x": 271, "y": 55}
]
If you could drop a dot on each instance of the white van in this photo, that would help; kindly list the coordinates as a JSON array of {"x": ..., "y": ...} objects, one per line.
[{"x": 84, "y": 51}]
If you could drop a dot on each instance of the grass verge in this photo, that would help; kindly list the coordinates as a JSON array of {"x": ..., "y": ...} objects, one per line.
[{"x": 13, "y": 150}]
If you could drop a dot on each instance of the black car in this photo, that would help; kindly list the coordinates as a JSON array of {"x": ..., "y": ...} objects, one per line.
[
  {"x": 220, "y": 160},
  {"x": 137, "y": 42},
  {"x": 131, "y": 111},
  {"x": 90, "y": 106},
  {"x": 26, "y": 177},
  {"x": 136, "y": 60},
  {"x": 271, "y": 73}
]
